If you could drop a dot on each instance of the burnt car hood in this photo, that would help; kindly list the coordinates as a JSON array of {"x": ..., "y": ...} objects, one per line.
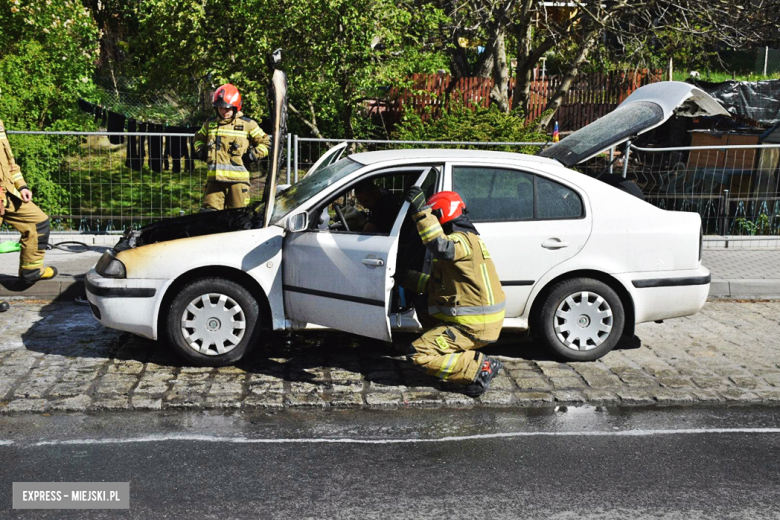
[
  {"x": 648, "y": 107},
  {"x": 198, "y": 224}
]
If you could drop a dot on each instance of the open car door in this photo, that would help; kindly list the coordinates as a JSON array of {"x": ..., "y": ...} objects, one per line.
[{"x": 342, "y": 280}]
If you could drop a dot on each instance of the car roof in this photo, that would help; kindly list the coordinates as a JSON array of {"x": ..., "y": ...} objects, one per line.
[{"x": 447, "y": 154}]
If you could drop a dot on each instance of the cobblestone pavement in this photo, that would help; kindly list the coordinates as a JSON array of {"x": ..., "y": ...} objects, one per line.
[{"x": 56, "y": 357}]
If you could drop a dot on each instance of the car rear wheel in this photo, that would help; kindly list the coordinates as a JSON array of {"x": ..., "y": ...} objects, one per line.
[
  {"x": 580, "y": 319},
  {"x": 213, "y": 322}
]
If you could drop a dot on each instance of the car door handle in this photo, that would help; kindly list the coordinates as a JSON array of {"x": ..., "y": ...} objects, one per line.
[
  {"x": 554, "y": 243},
  {"x": 374, "y": 262}
]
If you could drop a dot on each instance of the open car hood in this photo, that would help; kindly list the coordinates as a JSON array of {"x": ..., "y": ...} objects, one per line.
[{"x": 648, "y": 107}]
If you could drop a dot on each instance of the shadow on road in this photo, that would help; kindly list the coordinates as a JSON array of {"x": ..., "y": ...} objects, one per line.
[{"x": 65, "y": 327}]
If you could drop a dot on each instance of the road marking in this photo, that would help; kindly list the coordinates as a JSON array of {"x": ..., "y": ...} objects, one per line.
[{"x": 486, "y": 436}]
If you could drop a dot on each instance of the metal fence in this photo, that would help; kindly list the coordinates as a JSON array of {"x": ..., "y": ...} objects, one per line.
[
  {"x": 98, "y": 182},
  {"x": 735, "y": 189},
  {"x": 103, "y": 182}
]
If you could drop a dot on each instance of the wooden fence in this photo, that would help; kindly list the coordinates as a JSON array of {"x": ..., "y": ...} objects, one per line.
[{"x": 590, "y": 96}]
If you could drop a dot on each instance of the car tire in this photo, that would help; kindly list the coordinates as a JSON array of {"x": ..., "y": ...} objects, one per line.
[
  {"x": 578, "y": 330},
  {"x": 213, "y": 322}
]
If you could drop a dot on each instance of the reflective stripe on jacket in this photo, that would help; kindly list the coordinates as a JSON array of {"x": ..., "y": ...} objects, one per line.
[
  {"x": 225, "y": 142},
  {"x": 463, "y": 287}
]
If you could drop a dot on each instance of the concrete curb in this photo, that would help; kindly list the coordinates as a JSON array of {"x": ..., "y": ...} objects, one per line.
[{"x": 748, "y": 289}]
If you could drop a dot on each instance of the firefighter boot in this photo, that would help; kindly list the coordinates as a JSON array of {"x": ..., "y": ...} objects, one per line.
[
  {"x": 33, "y": 275},
  {"x": 489, "y": 370}
]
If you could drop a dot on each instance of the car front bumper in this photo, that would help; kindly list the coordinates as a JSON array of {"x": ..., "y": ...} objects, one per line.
[{"x": 130, "y": 305}]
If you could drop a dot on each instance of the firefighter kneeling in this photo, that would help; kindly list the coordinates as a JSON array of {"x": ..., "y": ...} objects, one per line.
[{"x": 464, "y": 295}]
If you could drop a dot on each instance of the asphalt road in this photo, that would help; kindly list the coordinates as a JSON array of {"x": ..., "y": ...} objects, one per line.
[{"x": 472, "y": 463}]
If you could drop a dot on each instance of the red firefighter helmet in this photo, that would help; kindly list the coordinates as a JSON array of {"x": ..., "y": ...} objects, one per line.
[
  {"x": 446, "y": 205},
  {"x": 227, "y": 96}
]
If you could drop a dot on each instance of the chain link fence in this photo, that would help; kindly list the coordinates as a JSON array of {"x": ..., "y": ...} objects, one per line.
[
  {"x": 104, "y": 182},
  {"x": 735, "y": 189},
  {"x": 99, "y": 182},
  {"x": 767, "y": 61}
]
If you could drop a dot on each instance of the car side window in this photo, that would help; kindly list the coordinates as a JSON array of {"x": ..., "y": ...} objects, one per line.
[
  {"x": 556, "y": 201},
  {"x": 370, "y": 206},
  {"x": 495, "y": 194}
]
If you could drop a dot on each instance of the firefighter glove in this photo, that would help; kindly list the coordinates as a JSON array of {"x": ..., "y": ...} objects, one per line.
[{"x": 416, "y": 198}]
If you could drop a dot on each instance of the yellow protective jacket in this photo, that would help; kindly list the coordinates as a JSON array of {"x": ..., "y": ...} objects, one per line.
[
  {"x": 225, "y": 141},
  {"x": 463, "y": 287},
  {"x": 11, "y": 180}
]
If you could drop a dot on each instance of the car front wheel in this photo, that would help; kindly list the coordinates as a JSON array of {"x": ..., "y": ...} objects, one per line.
[
  {"x": 581, "y": 319},
  {"x": 213, "y": 322}
]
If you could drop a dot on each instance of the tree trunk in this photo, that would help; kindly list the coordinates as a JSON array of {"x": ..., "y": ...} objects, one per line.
[
  {"x": 459, "y": 63},
  {"x": 524, "y": 76},
  {"x": 555, "y": 101},
  {"x": 499, "y": 94},
  {"x": 311, "y": 123},
  {"x": 486, "y": 61}
]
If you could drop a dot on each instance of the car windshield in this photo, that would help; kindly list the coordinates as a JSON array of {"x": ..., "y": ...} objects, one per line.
[{"x": 310, "y": 185}]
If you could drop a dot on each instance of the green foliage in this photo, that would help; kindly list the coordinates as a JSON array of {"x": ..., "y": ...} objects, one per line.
[
  {"x": 49, "y": 50},
  {"x": 337, "y": 52},
  {"x": 40, "y": 158},
  {"x": 480, "y": 125},
  {"x": 761, "y": 226},
  {"x": 37, "y": 95}
]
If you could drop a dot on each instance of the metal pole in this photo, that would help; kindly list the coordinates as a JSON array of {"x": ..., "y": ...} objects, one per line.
[
  {"x": 611, "y": 158},
  {"x": 289, "y": 151},
  {"x": 295, "y": 151},
  {"x": 766, "y": 57},
  {"x": 625, "y": 158}
]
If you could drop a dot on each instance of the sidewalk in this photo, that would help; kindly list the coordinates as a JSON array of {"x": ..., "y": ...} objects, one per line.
[{"x": 740, "y": 273}]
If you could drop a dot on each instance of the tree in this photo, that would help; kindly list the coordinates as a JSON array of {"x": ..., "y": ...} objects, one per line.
[
  {"x": 49, "y": 50},
  {"x": 626, "y": 31},
  {"x": 337, "y": 53},
  {"x": 643, "y": 31}
]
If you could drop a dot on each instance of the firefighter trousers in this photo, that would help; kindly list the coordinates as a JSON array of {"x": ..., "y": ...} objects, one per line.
[
  {"x": 448, "y": 353},
  {"x": 225, "y": 195},
  {"x": 33, "y": 224}
]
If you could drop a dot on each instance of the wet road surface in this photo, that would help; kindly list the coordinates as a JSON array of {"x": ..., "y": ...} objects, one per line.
[{"x": 564, "y": 462}]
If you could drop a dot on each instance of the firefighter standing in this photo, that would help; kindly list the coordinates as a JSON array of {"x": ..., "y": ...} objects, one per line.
[
  {"x": 221, "y": 142},
  {"x": 464, "y": 295},
  {"x": 18, "y": 210}
]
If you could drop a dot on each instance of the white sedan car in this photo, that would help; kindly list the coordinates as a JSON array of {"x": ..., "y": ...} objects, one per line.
[{"x": 581, "y": 262}]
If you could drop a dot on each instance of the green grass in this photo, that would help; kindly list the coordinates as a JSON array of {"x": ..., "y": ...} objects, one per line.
[
  {"x": 717, "y": 77},
  {"x": 102, "y": 191}
]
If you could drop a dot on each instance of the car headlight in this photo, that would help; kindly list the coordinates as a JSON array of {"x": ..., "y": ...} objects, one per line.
[{"x": 110, "y": 267}]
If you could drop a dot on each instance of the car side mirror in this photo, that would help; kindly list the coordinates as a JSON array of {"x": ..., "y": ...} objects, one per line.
[{"x": 298, "y": 222}]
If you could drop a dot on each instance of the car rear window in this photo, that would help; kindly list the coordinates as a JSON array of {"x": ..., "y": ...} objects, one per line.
[
  {"x": 611, "y": 129},
  {"x": 495, "y": 194},
  {"x": 503, "y": 195}
]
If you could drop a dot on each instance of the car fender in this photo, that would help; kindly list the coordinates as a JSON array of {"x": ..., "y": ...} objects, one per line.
[
  {"x": 256, "y": 252},
  {"x": 604, "y": 271}
]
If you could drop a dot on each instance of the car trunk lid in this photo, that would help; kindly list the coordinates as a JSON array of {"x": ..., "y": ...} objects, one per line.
[{"x": 648, "y": 107}]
